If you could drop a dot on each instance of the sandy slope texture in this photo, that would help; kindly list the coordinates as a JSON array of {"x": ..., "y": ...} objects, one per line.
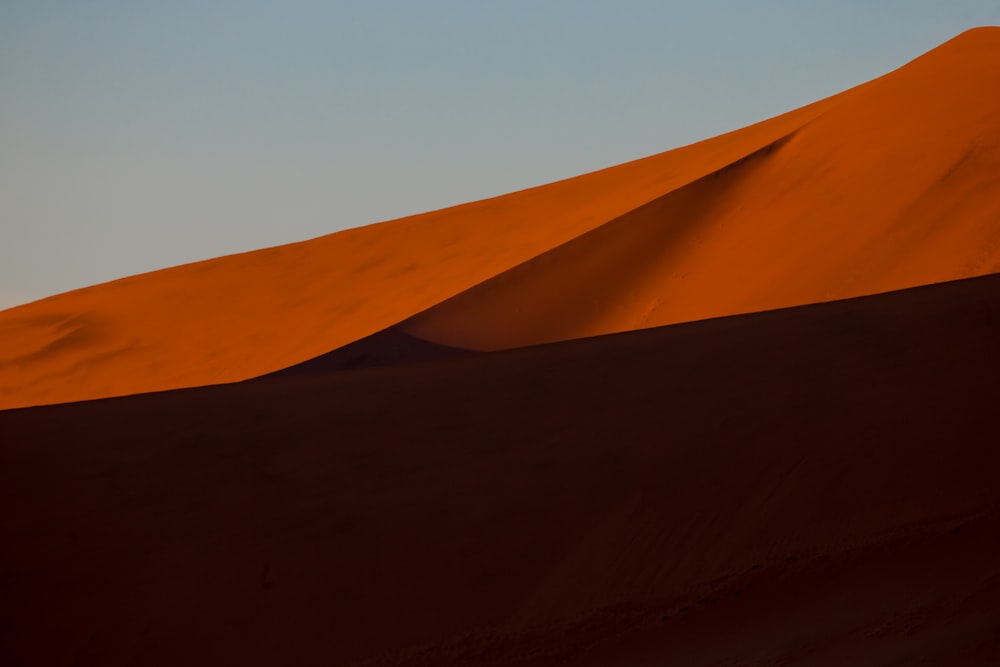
[
  {"x": 890, "y": 184},
  {"x": 245, "y": 315},
  {"x": 896, "y": 184},
  {"x": 807, "y": 486}
]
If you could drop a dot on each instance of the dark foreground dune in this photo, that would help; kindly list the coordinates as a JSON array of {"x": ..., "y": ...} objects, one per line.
[{"x": 810, "y": 486}]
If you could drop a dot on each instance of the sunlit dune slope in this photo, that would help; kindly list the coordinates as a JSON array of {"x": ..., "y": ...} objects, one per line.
[
  {"x": 890, "y": 184},
  {"x": 807, "y": 486},
  {"x": 245, "y": 315},
  {"x": 896, "y": 184}
]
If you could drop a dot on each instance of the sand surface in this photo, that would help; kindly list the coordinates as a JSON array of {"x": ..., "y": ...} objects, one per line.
[
  {"x": 891, "y": 184},
  {"x": 807, "y": 486},
  {"x": 733, "y": 404},
  {"x": 895, "y": 184}
]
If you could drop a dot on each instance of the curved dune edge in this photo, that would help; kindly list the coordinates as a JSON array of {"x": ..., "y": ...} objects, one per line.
[
  {"x": 806, "y": 485},
  {"x": 247, "y": 315},
  {"x": 890, "y": 188},
  {"x": 596, "y": 283},
  {"x": 386, "y": 348}
]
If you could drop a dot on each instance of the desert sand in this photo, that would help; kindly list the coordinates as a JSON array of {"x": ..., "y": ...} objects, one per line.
[
  {"x": 791, "y": 487},
  {"x": 889, "y": 185},
  {"x": 732, "y": 404}
]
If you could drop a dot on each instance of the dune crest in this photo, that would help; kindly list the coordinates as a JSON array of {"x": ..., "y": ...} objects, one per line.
[
  {"x": 887, "y": 185},
  {"x": 895, "y": 185},
  {"x": 242, "y": 316}
]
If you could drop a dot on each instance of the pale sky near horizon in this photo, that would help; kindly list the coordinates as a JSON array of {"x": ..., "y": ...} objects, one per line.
[{"x": 140, "y": 134}]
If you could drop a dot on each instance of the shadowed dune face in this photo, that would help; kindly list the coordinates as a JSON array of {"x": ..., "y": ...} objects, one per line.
[
  {"x": 385, "y": 348},
  {"x": 887, "y": 185},
  {"x": 614, "y": 278},
  {"x": 807, "y": 486}
]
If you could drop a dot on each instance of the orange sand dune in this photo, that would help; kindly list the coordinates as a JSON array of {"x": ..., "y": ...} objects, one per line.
[
  {"x": 245, "y": 315},
  {"x": 808, "y": 486},
  {"x": 896, "y": 184},
  {"x": 887, "y": 185}
]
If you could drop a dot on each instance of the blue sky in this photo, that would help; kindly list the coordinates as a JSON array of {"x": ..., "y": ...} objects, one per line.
[{"x": 139, "y": 134}]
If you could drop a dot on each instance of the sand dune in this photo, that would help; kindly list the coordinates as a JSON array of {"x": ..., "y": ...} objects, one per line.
[
  {"x": 670, "y": 412},
  {"x": 806, "y": 486},
  {"x": 888, "y": 185},
  {"x": 385, "y": 348},
  {"x": 246, "y": 315},
  {"x": 896, "y": 184}
]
